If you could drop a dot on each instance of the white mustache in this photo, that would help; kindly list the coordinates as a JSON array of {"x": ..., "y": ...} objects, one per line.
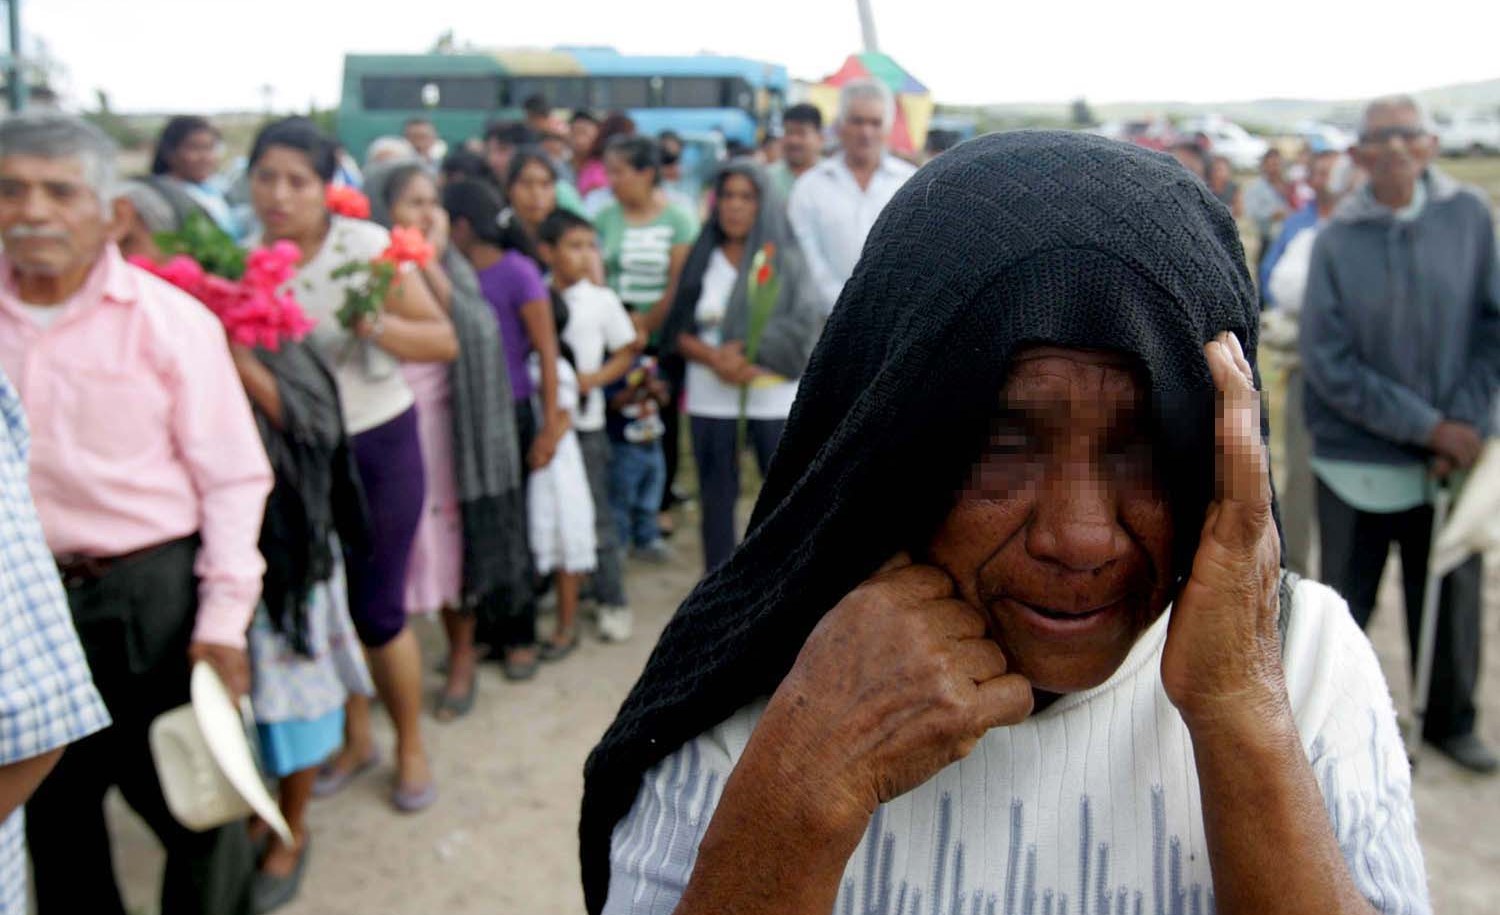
[{"x": 18, "y": 233}]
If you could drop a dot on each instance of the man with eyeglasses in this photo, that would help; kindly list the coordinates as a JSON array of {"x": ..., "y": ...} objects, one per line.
[{"x": 1401, "y": 353}]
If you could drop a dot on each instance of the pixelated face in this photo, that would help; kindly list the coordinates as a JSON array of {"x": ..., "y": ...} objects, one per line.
[
  {"x": 197, "y": 157},
  {"x": 1062, "y": 535},
  {"x": 862, "y": 130},
  {"x": 533, "y": 194},
  {"x": 417, "y": 205},
  {"x": 738, "y": 204},
  {"x": 287, "y": 194},
  {"x": 51, "y": 220},
  {"x": 801, "y": 143},
  {"x": 421, "y": 136},
  {"x": 1394, "y": 148},
  {"x": 573, "y": 257}
]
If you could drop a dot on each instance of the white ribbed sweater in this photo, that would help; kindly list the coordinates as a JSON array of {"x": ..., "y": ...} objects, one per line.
[{"x": 1091, "y": 806}]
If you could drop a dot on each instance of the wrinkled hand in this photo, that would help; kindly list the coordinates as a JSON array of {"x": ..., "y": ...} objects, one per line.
[
  {"x": 1456, "y": 444},
  {"x": 1223, "y": 654},
  {"x": 898, "y": 681},
  {"x": 231, "y": 664}
]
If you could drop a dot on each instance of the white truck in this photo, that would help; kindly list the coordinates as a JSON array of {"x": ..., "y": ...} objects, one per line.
[{"x": 1468, "y": 133}]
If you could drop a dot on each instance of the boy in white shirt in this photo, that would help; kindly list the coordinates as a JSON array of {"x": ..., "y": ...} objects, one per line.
[{"x": 604, "y": 344}]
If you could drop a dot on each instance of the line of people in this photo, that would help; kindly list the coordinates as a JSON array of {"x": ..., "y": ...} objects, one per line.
[{"x": 505, "y": 425}]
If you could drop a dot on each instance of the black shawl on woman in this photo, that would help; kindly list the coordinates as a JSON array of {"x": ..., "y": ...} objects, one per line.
[
  {"x": 1008, "y": 240},
  {"x": 787, "y": 340},
  {"x": 316, "y": 494}
]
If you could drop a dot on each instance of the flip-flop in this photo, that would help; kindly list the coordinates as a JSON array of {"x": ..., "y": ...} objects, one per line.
[
  {"x": 414, "y": 800},
  {"x": 552, "y": 651},
  {"x": 452, "y": 708},
  {"x": 330, "y": 781}
]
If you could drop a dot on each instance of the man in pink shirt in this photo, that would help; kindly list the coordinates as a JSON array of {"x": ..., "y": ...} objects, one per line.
[{"x": 150, "y": 481}]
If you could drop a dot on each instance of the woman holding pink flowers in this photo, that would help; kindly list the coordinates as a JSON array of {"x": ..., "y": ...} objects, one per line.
[{"x": 291, "y": 164}]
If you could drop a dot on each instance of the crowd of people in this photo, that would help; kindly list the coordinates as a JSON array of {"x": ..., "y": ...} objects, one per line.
[{"x": 500, "y": 433}]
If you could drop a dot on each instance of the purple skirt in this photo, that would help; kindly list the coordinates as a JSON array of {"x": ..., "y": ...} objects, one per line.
[{"x": 389, "y": 458}]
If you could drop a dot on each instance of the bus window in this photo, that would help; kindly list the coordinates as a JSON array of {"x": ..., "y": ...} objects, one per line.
[
  {"x": 610, "y": 93},
  {"x": 414, "y": 93},
  {"x": 693, "y": 92},
  {"x": 560, "y": 91}
]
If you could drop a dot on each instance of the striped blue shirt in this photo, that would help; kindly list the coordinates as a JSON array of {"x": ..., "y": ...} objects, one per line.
[{"x": 47, "y": 696}]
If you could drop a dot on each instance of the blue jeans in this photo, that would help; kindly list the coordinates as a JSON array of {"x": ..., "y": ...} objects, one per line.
[{"x": 637, "y": 476}]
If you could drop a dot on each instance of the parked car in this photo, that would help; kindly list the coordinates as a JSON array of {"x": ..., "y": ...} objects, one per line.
[
  {"x": 1468, "y": 133},
  {"x": 1228, "y": 139},
  {"x": 1320, "y": 136}
]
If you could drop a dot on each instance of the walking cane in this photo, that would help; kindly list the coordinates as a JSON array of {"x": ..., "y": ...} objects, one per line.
[{"x": 1427, "y": 629}]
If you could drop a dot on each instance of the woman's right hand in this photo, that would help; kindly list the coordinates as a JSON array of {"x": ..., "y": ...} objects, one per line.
[
  {"x": 544, "y": 447},
  {"x": 897, "y": 682}
]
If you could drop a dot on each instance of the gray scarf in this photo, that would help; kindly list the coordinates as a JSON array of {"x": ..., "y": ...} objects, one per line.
[
  {"x": 486, "y": 448},
  {"x": 787, "y": 340}
]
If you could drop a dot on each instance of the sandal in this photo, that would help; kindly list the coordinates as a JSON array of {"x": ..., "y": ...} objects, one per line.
[
  {"x": 330, "y": 781},
  {"x": 452, "y": 708},
  {"x": 517, "y": 670},
  {"x": 268, "y": 893},
  {"x": 556, "y": 651}
]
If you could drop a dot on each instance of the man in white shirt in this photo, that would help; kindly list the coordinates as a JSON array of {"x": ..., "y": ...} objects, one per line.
[{"x": 833, "y": 206}]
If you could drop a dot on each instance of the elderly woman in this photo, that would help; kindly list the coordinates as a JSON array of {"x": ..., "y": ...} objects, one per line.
[{"x": 1009, "y": 631}]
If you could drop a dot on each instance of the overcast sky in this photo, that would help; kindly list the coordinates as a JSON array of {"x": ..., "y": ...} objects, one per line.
[{"x": 212, "y": 55}]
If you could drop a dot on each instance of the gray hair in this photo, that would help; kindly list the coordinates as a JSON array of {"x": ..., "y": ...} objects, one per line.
[
  {"x": 54, "y": 135},
  {"x": 1395, "y": 103},
  {"x": 861, "y": 90},
  {"x": 153, "y": 208},
  {"x": 389, "y": 148}
]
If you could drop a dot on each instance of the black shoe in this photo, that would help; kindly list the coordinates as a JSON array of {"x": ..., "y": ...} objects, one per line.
[
  {"x": 1469, "y": 752},
  {"x": 268, "y": 893}
]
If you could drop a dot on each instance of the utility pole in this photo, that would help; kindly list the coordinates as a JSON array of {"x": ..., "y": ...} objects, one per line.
[
  {"x": 867, "y": 26},
  {"x": 15, "y": 73}
]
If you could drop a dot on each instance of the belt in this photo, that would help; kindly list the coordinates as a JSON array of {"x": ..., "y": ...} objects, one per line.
[{"x": 78, "y": 570}]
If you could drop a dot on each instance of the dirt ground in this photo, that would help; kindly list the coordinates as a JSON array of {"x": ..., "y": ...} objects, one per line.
[{"x": 501, "y": 838}]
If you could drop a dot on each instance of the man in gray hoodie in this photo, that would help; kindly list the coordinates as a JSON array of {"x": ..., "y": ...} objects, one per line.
[{"x": 1400, "y": 347}]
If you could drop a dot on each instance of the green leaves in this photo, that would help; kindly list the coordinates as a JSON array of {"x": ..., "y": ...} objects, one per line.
[{"x": 202, "y": 240}]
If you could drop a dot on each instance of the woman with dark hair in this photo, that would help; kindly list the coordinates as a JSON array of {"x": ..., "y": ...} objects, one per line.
[
  {"x": 469, "y": 557},
  {"x": 1009, "y": 631},
  {"x": 496, "y": 245},
  {"x": 534, "y": 189},
  {"x": 184, "y": 164},
  {"x": 591, "y": 172},
  {"x": 291, "y": 163},
  {"x": 644, "y": 240},
  {"x": 745, "y": 318}
]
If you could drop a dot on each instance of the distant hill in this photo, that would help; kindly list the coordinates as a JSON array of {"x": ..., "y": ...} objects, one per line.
[{"x": 1265, "y": 114}]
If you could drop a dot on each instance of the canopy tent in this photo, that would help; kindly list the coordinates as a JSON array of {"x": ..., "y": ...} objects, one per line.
[{"x": 913, "y": 102}]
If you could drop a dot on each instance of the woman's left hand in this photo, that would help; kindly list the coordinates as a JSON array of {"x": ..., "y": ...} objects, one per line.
[{"x": 1222, "y": 659}]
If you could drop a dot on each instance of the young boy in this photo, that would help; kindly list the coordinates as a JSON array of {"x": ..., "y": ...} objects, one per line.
[
  {"x": 637, "y": 466},
  {"x": 598, "y": 326}
]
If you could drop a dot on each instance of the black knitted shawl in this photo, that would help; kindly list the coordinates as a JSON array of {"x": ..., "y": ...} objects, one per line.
[{"x": 1007, "y": 240}]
